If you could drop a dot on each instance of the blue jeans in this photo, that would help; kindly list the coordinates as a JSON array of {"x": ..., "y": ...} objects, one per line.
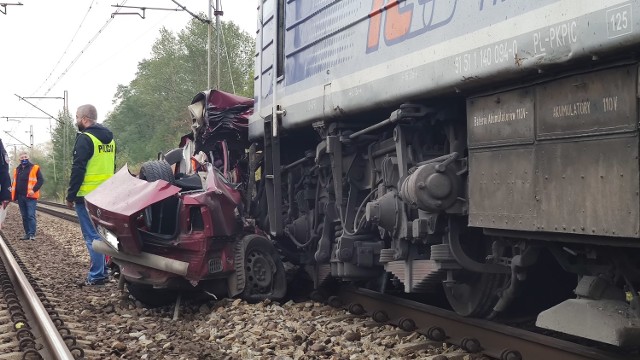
[
  {"x": 28, "y": 212},
  {"x": 97, "y": 269}
]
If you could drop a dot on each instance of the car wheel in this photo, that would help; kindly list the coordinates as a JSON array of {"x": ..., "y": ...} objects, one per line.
[
  {"x": 156, "y": 170},
  {"x": 264, "y": 274}
]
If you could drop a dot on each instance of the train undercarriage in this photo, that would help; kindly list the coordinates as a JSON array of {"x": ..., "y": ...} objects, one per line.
[{"x": 493, "y": 200}]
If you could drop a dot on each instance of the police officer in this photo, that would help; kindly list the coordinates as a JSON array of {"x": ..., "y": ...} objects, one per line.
[
  {"x": 5, "y": 179},
  {"x": 93, "y": 163}
]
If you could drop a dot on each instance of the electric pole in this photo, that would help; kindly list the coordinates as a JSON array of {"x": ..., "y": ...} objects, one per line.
[
  {"x": 209, "y": 48},
  {"x": 218, "y": 13},
  {"x": 3, "y": 7},
  {"x": 65, "y": 111},
  {"x": 207, "y": 21}
]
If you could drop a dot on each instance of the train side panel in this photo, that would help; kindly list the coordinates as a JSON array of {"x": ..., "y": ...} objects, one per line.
[
  {"x": 345, "y": 57},
  {"x": 557, "y": 157}
]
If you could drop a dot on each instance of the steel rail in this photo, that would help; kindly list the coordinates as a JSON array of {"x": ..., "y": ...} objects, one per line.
[
  {"x": 53, "y": 204},
  {"x": 42, "y": 206},
  {"x": 473, "y": 335},
  {"x": 55, "y": 344}
]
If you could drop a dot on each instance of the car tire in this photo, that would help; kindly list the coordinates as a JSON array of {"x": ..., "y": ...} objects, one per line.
[
  {"x": 157, "y": 170},
  {"x": 264, "y": 273}
]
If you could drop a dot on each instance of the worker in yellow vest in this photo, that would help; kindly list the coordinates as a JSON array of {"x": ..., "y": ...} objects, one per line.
[
  {"x": 27, "y": 181},
  {"x": 93, "y": 163}
]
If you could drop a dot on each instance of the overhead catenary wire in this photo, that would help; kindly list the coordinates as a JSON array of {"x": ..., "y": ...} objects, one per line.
[
  {"x": 220, "y": 31},
  {"x": 66, "y": 49},
  {"x": 124, "y": 48},
  {"x": 206, "y": 21},
  {"x": 42, "y": 111},
  {"x": 3, "y": 7},
  {"x": 226, "y": 52},
  {"x": 143, "y": 8},
  {"x": 84, "y": 49}
]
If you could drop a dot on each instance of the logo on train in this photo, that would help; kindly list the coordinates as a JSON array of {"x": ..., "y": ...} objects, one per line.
[
  {"x": 405, "y": 19},
  {"x": 398, "y": 20}
]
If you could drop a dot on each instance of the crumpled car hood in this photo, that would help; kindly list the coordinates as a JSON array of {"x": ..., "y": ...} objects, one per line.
[{"x": 126, "y": 195}]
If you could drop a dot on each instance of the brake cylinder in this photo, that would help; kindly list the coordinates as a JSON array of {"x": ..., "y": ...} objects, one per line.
[{"x": 431, "y": 187}]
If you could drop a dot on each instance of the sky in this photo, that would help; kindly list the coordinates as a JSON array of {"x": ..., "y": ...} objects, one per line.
[{"x": 47, "y": 47}]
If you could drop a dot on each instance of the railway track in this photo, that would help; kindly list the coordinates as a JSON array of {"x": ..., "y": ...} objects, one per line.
[
  {"x": 471, "y": 335},
  {"x": 57, "y": 210},
  {"x": 477, "y": 336},
  {"x": 31, "y": 326}
]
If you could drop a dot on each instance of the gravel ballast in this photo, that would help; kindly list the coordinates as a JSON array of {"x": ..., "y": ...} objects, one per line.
[{"x": 110, "y": 324}]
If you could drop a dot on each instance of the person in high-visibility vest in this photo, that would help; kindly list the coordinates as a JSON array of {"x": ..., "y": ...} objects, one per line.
[
  {"x": 27, "y": 181},
  {"x": 94, "y": 156}
]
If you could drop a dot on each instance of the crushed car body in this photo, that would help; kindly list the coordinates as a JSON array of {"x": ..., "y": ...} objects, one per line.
[{"x": 180, "y": 224}]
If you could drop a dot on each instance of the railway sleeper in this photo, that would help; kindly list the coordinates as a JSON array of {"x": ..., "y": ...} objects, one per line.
[{"x": 470, "y": 335}]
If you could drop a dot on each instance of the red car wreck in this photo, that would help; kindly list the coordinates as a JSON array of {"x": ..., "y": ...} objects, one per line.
[{"x": 179, "y": 224}]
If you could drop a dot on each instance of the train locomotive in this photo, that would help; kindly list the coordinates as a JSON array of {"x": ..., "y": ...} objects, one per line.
[
  {"x": 467, "y": 147},
  {"x": 473, "y": 149}
]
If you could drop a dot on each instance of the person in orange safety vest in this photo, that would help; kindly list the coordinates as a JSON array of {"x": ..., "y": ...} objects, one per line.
[{"x": 27, "y": 181}]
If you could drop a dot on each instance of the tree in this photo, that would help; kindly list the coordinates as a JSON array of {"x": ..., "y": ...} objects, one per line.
[{"x": 151, "y": 114}]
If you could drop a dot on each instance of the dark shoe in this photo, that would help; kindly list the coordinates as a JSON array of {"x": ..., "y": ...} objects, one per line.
[
  {"x": 100, "y": 282},
  {"x": 26, "y": 237},
  {"x": 32, "y": 238}
]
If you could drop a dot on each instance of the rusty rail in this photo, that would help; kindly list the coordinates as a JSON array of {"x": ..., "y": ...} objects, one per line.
[
  {"x": 472, "y": 335},
  {"x": 48, "y": 207},
  {"x": 55, "y": 346}
]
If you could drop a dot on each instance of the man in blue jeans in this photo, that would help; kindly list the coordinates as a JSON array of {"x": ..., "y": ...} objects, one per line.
[
  {"x": 93, "y": 163},
  {"x": 27, "y": 181}
]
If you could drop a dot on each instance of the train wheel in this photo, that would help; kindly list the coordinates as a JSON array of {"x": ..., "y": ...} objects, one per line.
[
  {"x": 474, "y": 294},
  {"x": 264, "y": 272}
]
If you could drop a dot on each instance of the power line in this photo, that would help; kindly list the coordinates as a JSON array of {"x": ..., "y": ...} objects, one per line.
[
  {"x": 23, "y": 117},
  {"x": 42, "y": 111},
  {"x": 122, "y": 49},
  {"x": 143, "y": 8},
  {"x": 4, "y": 7},
  {"x": 67, "y": 48},
  {"x": 16, "y": 139},
  {"x": 226, "y": 51},
  {"x": 83, "y": 50},
  {"x": 206, "y": 21}
]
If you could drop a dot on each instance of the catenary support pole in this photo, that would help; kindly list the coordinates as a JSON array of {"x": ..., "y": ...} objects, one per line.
[
  {"x": 218, "y": 13},
  {"x": 209, "y": 48}
]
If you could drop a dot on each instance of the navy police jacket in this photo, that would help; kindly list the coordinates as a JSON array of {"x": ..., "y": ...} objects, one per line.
[{"x": 5, "y": 179}]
